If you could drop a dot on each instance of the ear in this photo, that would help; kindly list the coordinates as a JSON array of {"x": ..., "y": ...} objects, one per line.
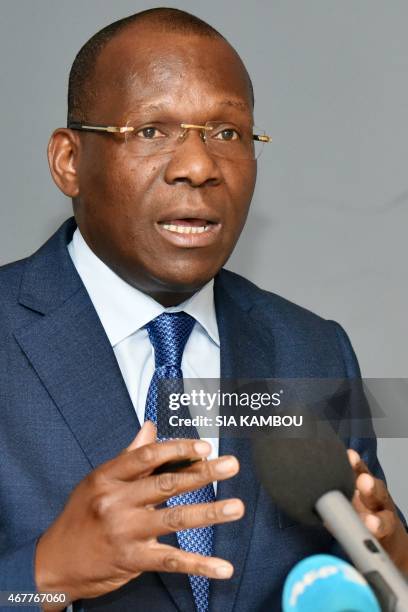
[{"x": 63, "y": 155}]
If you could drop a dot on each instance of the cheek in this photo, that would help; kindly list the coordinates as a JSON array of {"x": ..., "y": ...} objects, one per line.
[
  {"x": 115, "y": 208},
  {"x": 119, "y": 186},
  {"x": 240, "y": 183},
  {"x": 131, "y": 180}
]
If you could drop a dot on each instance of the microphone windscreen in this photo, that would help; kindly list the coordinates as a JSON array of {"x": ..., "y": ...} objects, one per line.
[
  {"x": 296, "y": 472},
  {"x": 323, "y": 583}
]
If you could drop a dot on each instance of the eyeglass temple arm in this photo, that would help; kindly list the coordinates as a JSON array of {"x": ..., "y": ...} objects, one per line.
[
  {"x": 100, "y": 128},
  {"x": 262, "y": 137}
]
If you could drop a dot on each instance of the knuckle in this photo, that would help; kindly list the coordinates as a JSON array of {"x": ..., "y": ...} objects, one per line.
[
  {"x": 180, "y": 449},
  {"x": 146, "y": 454},
  {"x": 95, "y": 480},
  {"x": 206, "y": 470},
  {"x": 171, "y": 563},
  {"x": 174, "y": 517},
  {"x": 166, "y": 482},
  {"x": 126, "y": 559},
  {"x": 101, "y": 506},
  {"x": 201, "y": 569},
  {"x": 211, "y": 513}
]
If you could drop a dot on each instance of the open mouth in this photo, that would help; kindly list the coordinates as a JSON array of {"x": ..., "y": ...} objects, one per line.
[
  {"x": 189, "y": 231},
  {"x": 187, "y": 226}
]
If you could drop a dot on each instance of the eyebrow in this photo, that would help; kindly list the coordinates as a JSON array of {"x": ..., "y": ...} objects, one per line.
[
  {"x": 227, "y": 102},
  {"x": 153, "y": 107},
  {"x": 235, "y": 104}
]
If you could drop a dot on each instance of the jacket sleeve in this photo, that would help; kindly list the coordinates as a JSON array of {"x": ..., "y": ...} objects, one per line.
[
  {"x": 17, "y": 573},
  {"x": 363, "y": 441}
]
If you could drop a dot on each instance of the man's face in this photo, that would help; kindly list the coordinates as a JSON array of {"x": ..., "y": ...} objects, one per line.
[{"x": 125, "y": 204}]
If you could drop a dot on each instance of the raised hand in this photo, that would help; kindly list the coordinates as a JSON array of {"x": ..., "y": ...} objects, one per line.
[
  {"x": 108, "y": 532},
  {"x": 377, "y": 509}
]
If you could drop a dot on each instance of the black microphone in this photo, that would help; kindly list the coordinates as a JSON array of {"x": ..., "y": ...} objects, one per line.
[{"x": 312, "y": 480}]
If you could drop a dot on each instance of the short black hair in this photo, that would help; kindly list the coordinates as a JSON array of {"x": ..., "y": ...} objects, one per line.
[{"x": 80, "y": 87}]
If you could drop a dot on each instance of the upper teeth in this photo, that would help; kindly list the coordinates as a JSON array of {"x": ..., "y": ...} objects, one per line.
[{"x": 186, "y": 229}]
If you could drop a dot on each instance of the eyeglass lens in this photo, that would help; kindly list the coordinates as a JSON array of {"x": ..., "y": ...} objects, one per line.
[{"x": 222, "y": 140}]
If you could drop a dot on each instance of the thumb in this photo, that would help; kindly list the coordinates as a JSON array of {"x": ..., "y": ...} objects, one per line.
[{"x": 146, "y": 435}]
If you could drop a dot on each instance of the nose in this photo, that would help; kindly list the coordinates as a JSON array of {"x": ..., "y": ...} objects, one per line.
[{"x": 192, "y": 164}]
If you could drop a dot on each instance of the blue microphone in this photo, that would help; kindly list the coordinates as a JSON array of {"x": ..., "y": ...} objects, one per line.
[{"x": 323, "y": 583}]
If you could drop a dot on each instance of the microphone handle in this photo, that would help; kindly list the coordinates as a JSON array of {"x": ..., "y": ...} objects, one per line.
[{"x": 367, "y": 554}]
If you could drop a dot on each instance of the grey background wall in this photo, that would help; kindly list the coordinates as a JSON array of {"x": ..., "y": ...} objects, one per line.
[{"x": 329, "y": 218}]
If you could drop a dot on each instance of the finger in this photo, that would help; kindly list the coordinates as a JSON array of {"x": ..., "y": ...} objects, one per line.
[
  {"x": 373, "y": 492},
  {"x": 189, "y": 516},
  {"x": 381, "y": 524},
  {"x": 156, "y": 489},
  {"x": 358, "y": 504},
  {"x": 357, "y": 463},
  {"x": 146, "y": 435},
  {"x": 164, "y": 558},
  {"x": 141, "y": 461}
]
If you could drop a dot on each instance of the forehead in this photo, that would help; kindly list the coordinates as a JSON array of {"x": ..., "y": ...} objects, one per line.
[{"x": 179, "y": 72}]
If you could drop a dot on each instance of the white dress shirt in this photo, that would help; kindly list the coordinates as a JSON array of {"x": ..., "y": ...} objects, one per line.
[{"x": 124, "y": 310}]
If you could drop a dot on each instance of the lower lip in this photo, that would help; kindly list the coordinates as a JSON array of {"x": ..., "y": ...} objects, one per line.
[{"x": 191, "y": 240}]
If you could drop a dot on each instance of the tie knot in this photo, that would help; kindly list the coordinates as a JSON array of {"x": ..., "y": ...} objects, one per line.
[{"x": 168, "y": 334}]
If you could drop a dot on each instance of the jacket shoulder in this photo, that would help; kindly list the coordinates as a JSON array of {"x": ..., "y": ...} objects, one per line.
[
  {"x": 251, "y": 296},
  {"x": 10, "y": 280},
  {"x": 11, "y": 276},
  {"x": 293, "y": 325}
]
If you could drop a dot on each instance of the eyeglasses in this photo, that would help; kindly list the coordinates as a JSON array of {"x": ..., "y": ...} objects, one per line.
[{"x": 221, "y": 138}]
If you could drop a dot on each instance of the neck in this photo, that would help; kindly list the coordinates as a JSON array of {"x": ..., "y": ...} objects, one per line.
[{"x": 167, "y": 299}]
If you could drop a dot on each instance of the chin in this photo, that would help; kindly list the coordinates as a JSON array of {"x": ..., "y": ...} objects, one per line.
[{"x": 185, "y": 281}]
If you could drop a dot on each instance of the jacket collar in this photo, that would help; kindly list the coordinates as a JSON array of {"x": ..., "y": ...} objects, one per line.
[{"x": 50, "y": 277}]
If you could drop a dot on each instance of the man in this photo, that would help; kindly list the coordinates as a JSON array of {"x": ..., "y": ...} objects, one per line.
[{"x": 158, "y": 160}]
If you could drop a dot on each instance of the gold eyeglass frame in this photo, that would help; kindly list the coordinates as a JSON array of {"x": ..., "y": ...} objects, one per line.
[{"x": 73, "y": 125}]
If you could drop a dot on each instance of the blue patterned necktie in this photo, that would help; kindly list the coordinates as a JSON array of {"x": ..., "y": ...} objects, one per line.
[{"x": 168, "y": 334}]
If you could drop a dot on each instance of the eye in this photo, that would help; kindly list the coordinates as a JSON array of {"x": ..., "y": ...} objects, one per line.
[
  {"x": 227, "y": 134},
  {"x": 149, "y": 132}
]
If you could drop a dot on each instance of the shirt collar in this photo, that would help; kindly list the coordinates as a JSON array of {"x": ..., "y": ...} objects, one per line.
[{"x": 123, "y": 309}]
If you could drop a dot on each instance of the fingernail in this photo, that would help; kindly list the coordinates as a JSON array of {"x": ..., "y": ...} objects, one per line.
[
  {"x": 231, "y": 509},
  {"x": 224, "y": 571},
  {"x": 202, "y": 448},
  {"x": 225, "y": 466}
]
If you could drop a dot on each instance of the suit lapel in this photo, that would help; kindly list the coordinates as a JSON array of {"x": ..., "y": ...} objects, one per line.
[
  {"x": 68, "y": 348},
  {"x": 73, "y": 358},
  {"x": 246, "y": 352}
]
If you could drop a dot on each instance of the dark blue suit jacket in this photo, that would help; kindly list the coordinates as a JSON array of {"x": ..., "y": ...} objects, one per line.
[{"x": 65, "y": 409}]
